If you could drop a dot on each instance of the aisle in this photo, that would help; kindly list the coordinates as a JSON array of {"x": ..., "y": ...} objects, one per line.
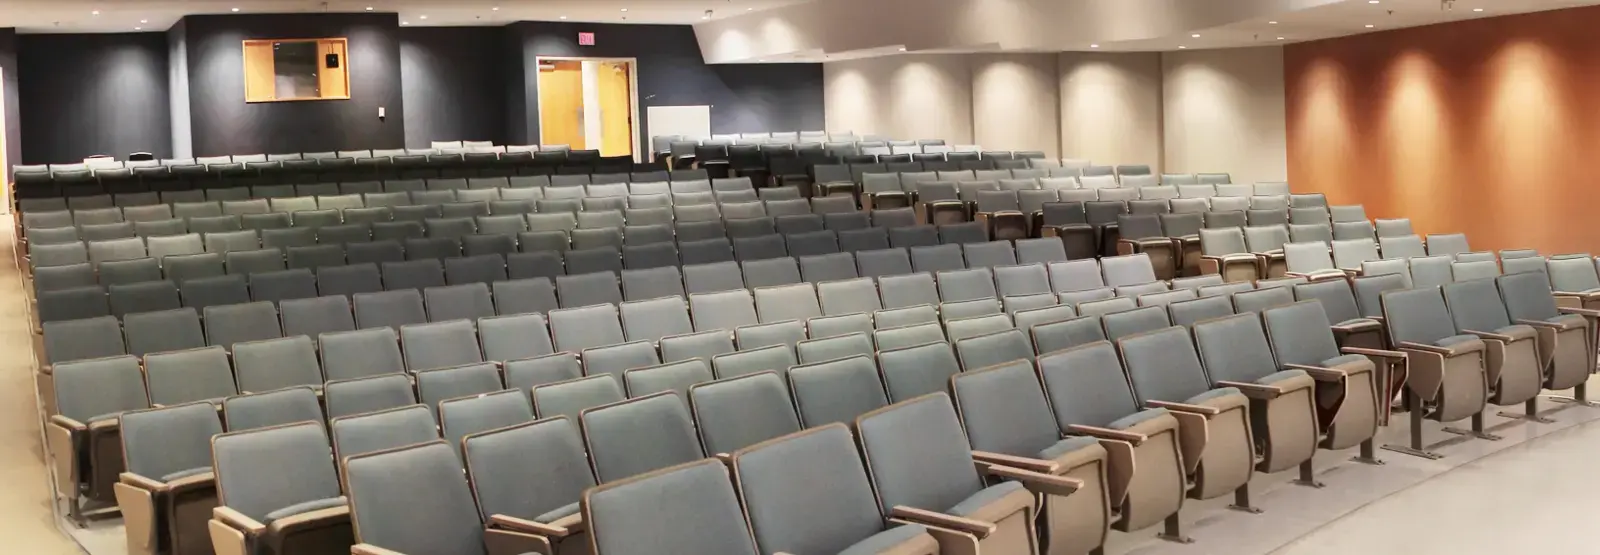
[{"x": 26, "y": 520}]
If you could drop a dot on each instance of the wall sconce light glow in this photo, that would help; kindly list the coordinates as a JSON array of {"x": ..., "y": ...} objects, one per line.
[
  {"x": 138, "y": 28},
  {"x": 495, "y": 9},
  {"x": 1183, "y": 47},
  {"x": 902, "y": 49},
  {"x": 1372, "y": 1},
  {"x": 1280, "y": 38},
  {"x": 624, "y": 9},
  {"x": 144, "y": 21}
]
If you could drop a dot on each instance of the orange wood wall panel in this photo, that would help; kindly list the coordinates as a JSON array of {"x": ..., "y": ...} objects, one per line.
[
  {"x": 561, "y": 104},
  {"x": 616, "y": 109},
  {"x": 1488, "y": 127}
]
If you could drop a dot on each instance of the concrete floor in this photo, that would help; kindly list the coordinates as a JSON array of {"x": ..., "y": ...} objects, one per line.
[{"x": 1519, "y": 495}]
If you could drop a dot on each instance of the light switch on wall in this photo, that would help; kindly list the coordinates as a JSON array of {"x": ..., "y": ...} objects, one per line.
[{"x": 380, "y": 112}]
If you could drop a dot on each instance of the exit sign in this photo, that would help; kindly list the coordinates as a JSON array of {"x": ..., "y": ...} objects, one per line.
[{"x": 585, "y": 39}]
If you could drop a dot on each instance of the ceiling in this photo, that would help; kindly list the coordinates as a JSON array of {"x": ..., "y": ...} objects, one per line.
[{"x": 124, "y": 16}]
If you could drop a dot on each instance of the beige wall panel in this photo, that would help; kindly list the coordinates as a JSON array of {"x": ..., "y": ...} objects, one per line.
[
  {"x": 1111, "y": 107},
  {"x": 1016, "y": 102},
  {"x": 1223, "y": 112},
  {"x": 904, "y": 97}
]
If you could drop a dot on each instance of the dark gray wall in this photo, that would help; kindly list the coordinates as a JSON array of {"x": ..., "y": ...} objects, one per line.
[
  {"x": 93, "y": 94},
  {"x": 8, "y": 87},
  {"x": 743, "y": 98},
  {"x": 223, "y": 123},
  {"x": 452, "y": 81}
]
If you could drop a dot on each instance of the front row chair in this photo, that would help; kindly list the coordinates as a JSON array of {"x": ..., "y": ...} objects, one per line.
[
  {"x": 168, "y": 492},
  {"x": 278, "y": 491},
  {"x": 1446, "y": 379},
  {"x": 1565, "y": 335}
]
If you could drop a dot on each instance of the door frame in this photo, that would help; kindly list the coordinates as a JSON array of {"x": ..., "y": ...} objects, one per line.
[{"x": 633, "y": 92}]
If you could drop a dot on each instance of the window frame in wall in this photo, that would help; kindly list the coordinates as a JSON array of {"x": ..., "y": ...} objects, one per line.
[{"x": 260, "y": 78}]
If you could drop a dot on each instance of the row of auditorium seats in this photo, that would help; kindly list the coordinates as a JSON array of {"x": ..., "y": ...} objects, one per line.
[{"x": 1226, "y": 333}]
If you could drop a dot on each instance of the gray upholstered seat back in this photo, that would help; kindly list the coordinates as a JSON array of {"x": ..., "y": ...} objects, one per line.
[
  {"x": 639, "y": 435},
  {"x": 1337, "y": 299},
  {"x": 1004, "y": 410},
  {"x": 528, "y": 372},
  {"x": 1066, "y": 334},
  {"x": 515, "y": 337},
  {"x": 1370, "y": 288},
  {"x": 777, "y": 358},
  {"x": 1139, "y": 320},
  {"x": 676, "y": 377},
  {"x": 1235, "y": 349},
  {"x": 1163, "y": 365},
  {"x": 386, "y": 429},
  {"x": 414, "y": 500},
  {"x": 990, "y": 349},
  {"x": 272, "y": 408},
  {"x": 167, "y": 443},
  {"x": 735, "y": 413},
  {"x": 1262, "y": 299},
  {"x": 837, "y": 390},
  {"x": 1417, "y": 315},
  {"x": 448, "y": 383},
  {"x": 1086, "y": 385},
  {"x": 361, "y": 353},
  {"x": 1220, "y": 241},
  {"x": 469, "y": 415},
  {"x": 705, "y": 513},
  {"x": 571, "y": 397},
  {"x": 1299, "y": 334},
  {"x": 838, "y": 346},
  {"x": 1476, "y": 305},
  {"x": 1131, "y": 269},
  {"x": 615, "y": 359},
  {"x": 527, "y": 470},
  {"x": 653, "y": 319},
  {"x": 99, "y": 388},
  {"x": 193, "y": 375},
  {"x": 1527, "y": 296},
  {"x": 1573, "y": 274},
  {"x": 440, "y": 344},
  {"x": 356, "y": 396},
  {"x": 807, "y": 493},
  {"x": 917, "y": 454},
  {"x": 261, "y": 471}
]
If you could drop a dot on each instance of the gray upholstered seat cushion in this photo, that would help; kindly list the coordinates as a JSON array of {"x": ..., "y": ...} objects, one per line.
[
  {"x": 303, "y": 507},
  {"x": 558, "y": 513},
  {"x": 185, "y": 473},
  {"x": 1213, "y": 394},
  {"x": 1343, "y": 359},
  {"x": 1071, "y": 444},
  {"x": 882, "y": 541},
  {"x": 1281, "y": 376},
  {"x": 1455, "y": 340},
  {"x": 977, "y": 501},
  {"x": 1135, "y": 419}
]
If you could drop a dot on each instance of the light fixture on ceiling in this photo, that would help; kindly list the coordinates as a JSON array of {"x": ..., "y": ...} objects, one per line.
[
  {"x": 1372, "y": 1},
  {"x": 563, "y": 17},
  {"x": 235, "y": 9},
  {"x": 495, "y": 9},
  {"x": 1272, "y": 23},
  {"x": 369, "y": 8},
  {"x": 749, "y": 9},
  {"x": 144, "y": 21},
  {"x": 1195, "y": 36},
  {"x": 1181, "y": 47},
  {"x": 1094, "y": 46},
  {"x": 1280, "y": 38},
  {"x": 96, "y": 12},
  {"x": 624, "y": 9},
  {"x": 1369, "y": 25},
  {"x": 902, "y": 49},
  {"x": 138, "y": 28},
  {"x": 422, "y": 17},
  {"x": 762, "y": 60},
  {"x": 405, "y": 22},
  {"x": 1477, "y": 9}
]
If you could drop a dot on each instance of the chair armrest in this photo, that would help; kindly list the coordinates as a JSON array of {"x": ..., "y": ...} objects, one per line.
[
  {"x": 1579, "y": 311},
  {"x": 1543, "y": 324},
  {"x": 204, "y": 480},
  {"x": 307, "y": 519},
  {"x": 1107, "y": 433},
  {"x": 369, "y": 549},
  {"x": 1185, "y": 407},
  {"x": 1254, "y": 390},
  {"x": 1318, "y": 373},
  {"x": 237, "y": 520},
  {"x": 1435, "y": 349},
  {"x": 141, "y": 482},
  {"x": 1380, "y": 353},
  {"x": 1490, "y": 335},
  {"x": 521, "y": 525},
  {"x": 1025, "y": 463},
  {"x": 1364, "y": 326},
  {"x": 1573, "y": 294},
  {"x": 977, "y": 528},
  {"x": 68, "y": 423},
  {"x": 1036, "y": 482}
]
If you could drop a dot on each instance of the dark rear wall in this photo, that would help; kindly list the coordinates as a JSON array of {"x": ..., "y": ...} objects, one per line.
[
  {"x": 453, "y": 84},
  {"x": 8, "y": 86},
  {"x": 223, "y": 123},
  {"x": 743, "y": 98},
  {"x": 93, "y": 94}
]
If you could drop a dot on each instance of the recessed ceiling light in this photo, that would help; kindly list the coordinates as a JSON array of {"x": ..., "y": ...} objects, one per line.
[
  {"x": 495, "y": 9},
  {"x": 1369, "y": 25},
  {"x": 563, "y": 17},
  {"x": 96, "y": 12},
  {"x": 1372, "y": 1},
  {"x": 1272, "y": 23},
  {"x": 902, "y": 49},
  {"x": 1196, "y": 35},
  {"x": 1094, "y": 46},
  {"x": 405, "y": 22},
  {"x": 1183, "y": 48},
  {"x": 1477, "y": 9},
  {"x": 369, "y": 8},
  {"x": 138, "y": 28},
  {"x": 762, "y": 60},
  {"x": 749, "y": 9},
  {"x": 144, "y": 21},
  {"x": 236, "y": 9},
  {"x": 1280, "y": 38},
  {"x": 624, "y": 9},
  {"x": 422, "y": 17}
]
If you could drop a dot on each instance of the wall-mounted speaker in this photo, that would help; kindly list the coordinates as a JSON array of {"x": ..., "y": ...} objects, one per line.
[{"x": 332, "y": 61}]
